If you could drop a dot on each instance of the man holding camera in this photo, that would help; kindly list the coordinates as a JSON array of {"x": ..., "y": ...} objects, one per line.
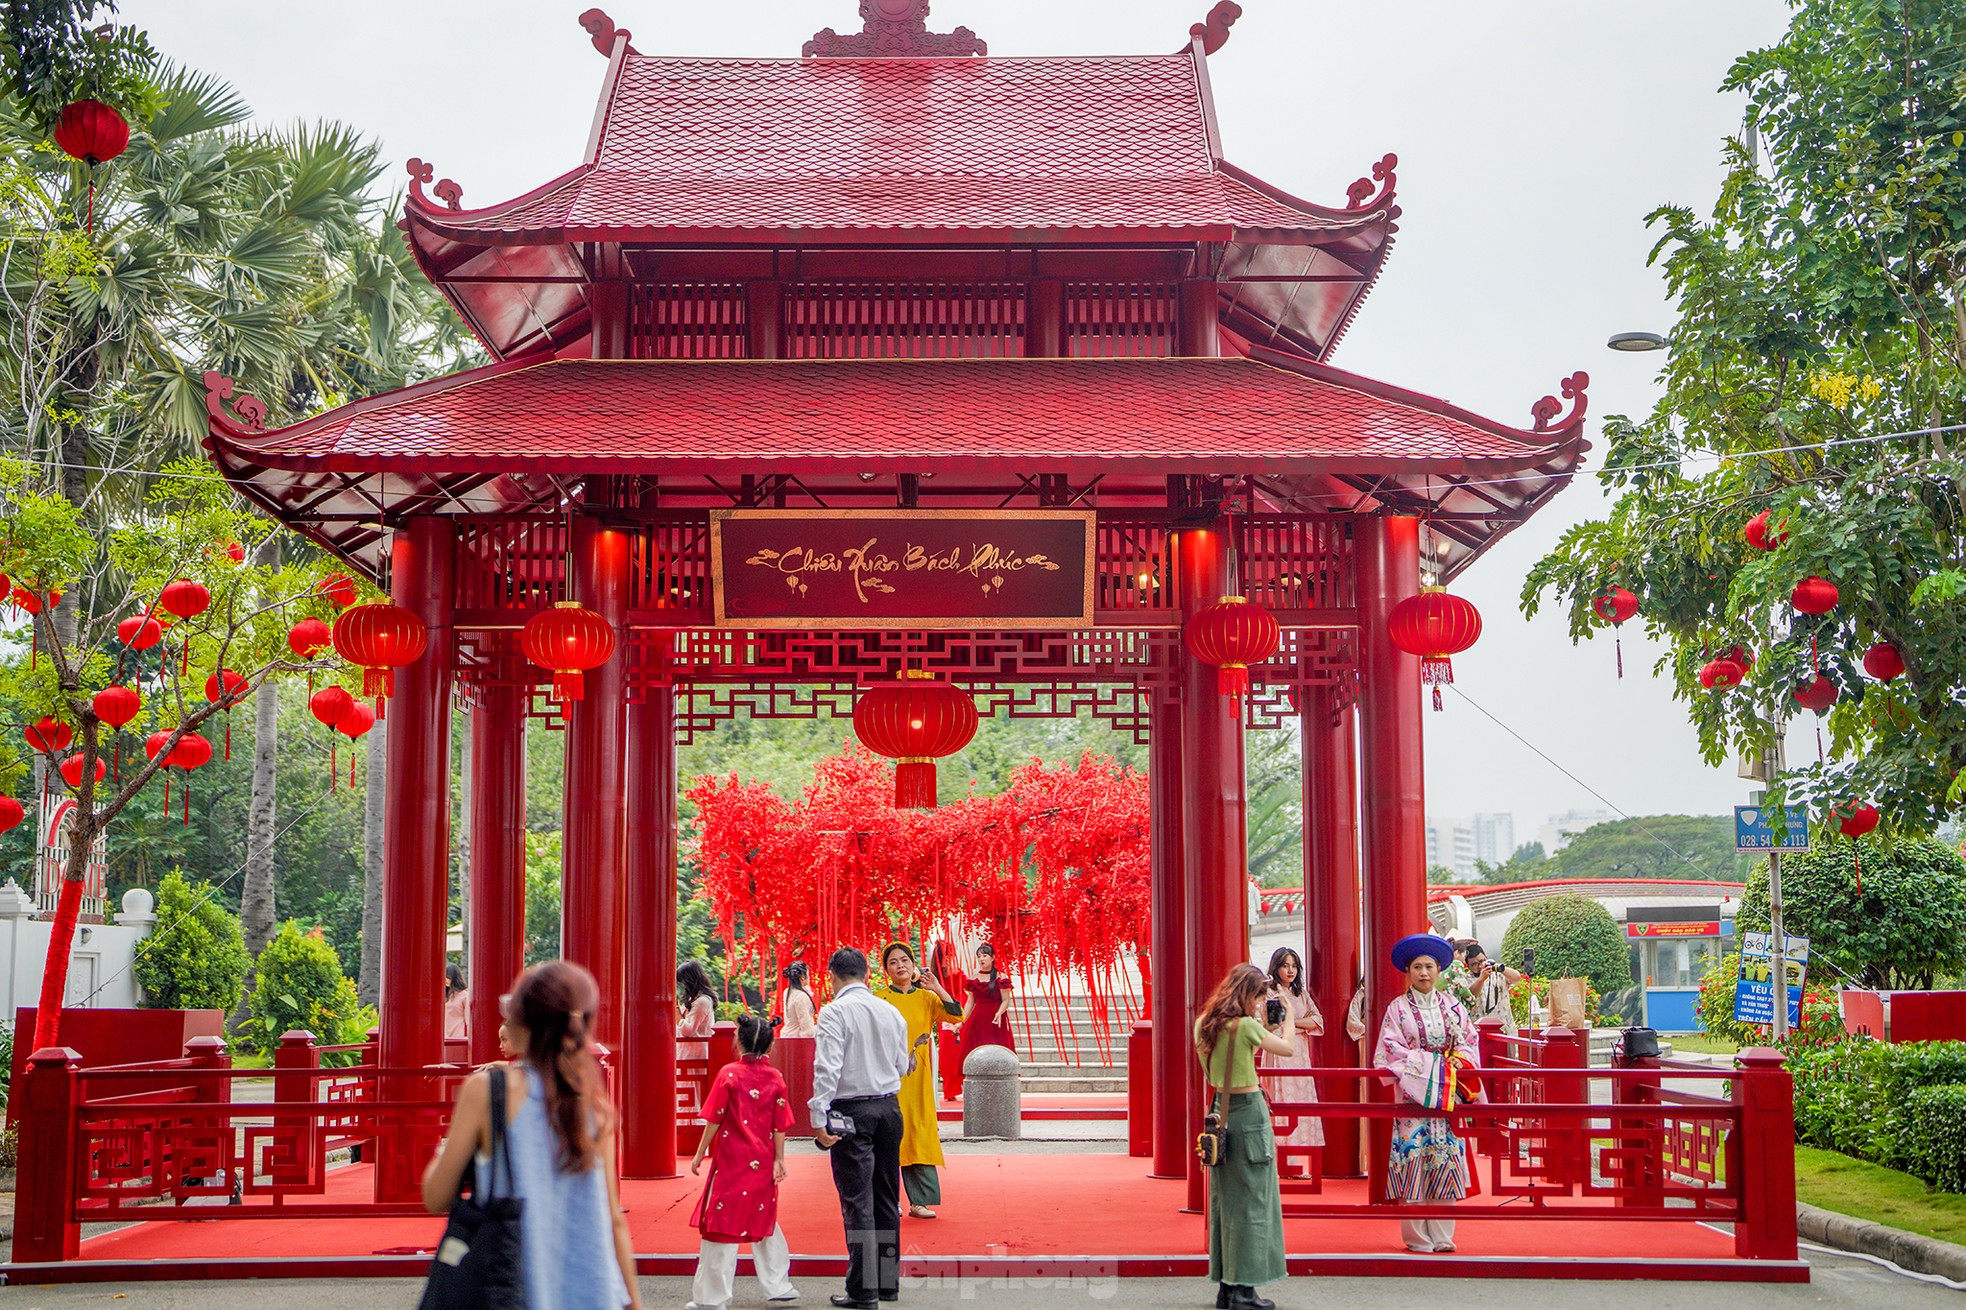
[
  {"x": 1488, "y": 987},
  {"x": 859, "y": 1058}
]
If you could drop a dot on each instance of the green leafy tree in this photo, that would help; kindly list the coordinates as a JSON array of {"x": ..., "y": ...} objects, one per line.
[
  {"x": 1904, "y": 928},
  {"x": 196, "y": 958},
  {"x": 1817, "y": 363},
  {"x": 542, "y": 896},
  {"x": 1526, "y": 864},
  {"x": 1653, "y": 846},
  {"x": 1573, "y": 937},
  {"x": 301, "y": 986}
]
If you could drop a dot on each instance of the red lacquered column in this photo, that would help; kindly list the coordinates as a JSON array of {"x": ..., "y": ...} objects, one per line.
[
  {"x": 1331, "y": 903},
  {"x": 594, "y": 914},
  {"x": 1214, "y": 840},
  {"x": 498, "y": 859},
  {"x": 648, "y": 1067},
  {"x": 1173, "y": 1052},
  {"x": 416, "y": 806},
  {"x": 1393, "y": 835}
]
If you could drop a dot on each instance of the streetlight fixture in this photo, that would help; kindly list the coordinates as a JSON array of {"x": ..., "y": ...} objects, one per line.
[{"x": 1636, "y": 342}]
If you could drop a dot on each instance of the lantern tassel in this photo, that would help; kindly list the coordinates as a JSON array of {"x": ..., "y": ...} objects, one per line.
[
  {"x": 1232, "y": 680},
  {"x": 1618, "y": 644},
  {"x": 1857, "y": 855},
  {"x": 914, "y": 783},
  {"x": 1436, "y": 671},
  {"x": 228, "y": 737},
  {"x": 351, "y": 770},
  {"x": 334, "y": 764},
  {"x": 187, "y": 801},
  {"x": 568, "y": 685},
  {"x": 167, "y": 793}
]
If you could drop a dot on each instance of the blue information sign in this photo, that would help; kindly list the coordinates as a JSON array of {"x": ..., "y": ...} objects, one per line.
[
  {"x": 1760, "y": 828},
  {"x": 1754, "y": 987}
]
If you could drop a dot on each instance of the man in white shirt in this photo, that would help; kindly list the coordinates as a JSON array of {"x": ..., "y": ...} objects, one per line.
[{"x": 859, "y": 1057}]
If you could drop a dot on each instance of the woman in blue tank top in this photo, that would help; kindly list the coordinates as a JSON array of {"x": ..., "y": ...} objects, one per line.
[{"x": 560, "y": 1133}]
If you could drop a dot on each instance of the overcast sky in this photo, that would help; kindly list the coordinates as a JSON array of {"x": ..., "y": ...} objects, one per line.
[{"x": 1533, "y": 136}]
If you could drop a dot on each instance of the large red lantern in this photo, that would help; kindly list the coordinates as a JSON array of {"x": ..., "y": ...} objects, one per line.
[
  {"x": 914, "y": 720},
  {"x": 48, "y": 736},
  {"x": 117, "y": 705},
  {"x": 227, "y": 688},
  {"x": 1233, "y": 634},
  {"x": 1758, "y": 534},
  {"x": 11, "y": 813},
  {"x": 339, "y": 588},
  {"x": 139, "y": 632},
  {"x": 1817, "y": 695},
  {"x": 1721, "y": 673},
  {"x": 71, "y": 771},
  {"x": 1854, "y": 818},
  {"x": 191, "y": 752},
  {"x": 1814, "y": 595},
  {"x": 1883, "y": 662},
  {"x": 329, "y": 704},
  {"x": 309, "y": 638},
  {"x": 185, "y": 598},
  {"x": 1435, "y": 625},
  {"x": 92, "y": 132},
  {"x": 355, "y": 723},
  {"x": 379, "y": 639},
  {"x": 568, "y": 639},
  {"x": 1615, "y": 606}
]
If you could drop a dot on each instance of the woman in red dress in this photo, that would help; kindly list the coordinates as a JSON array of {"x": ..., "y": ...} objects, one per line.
[
  {"x": 986, "y": 1015},
  {"x": 746, "y": 1117}
]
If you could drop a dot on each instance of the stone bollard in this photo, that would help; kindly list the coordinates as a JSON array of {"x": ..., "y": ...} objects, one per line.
[{"x": 993, "y": 1097}]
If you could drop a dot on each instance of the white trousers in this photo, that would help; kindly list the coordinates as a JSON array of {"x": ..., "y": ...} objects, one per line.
[
  {"x": 716, "y": 1270},
  {"x": 1423, "y": 1234}
]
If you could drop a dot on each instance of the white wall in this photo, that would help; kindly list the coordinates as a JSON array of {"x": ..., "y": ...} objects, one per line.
[{"x": 99, "y": 972}]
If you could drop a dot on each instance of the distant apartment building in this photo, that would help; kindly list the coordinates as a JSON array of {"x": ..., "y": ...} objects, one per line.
[
  {"x": 1457, "y": 843},
  {"x": 1556, "y": 834}
]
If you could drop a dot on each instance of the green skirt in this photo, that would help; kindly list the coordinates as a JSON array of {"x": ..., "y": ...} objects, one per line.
[{"x": 1245, "y": 1210}]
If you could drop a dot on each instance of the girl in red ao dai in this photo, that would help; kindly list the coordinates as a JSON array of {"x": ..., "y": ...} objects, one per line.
[{"x": 746, "y": 1116}]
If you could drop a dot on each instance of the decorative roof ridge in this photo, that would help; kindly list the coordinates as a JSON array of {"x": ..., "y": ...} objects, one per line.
[
  {"x": 449, "y": 191},
  {"x": 1212, "y": 33},
  {"x": 894, "y": 28},
  {"x": 1379, "y": 209},
  {"x": 249, "y": 426},
  {"x": 1542, "y": 436}
]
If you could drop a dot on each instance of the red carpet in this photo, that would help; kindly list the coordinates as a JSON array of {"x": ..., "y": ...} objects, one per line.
[{"x": 995, "y": 1207}]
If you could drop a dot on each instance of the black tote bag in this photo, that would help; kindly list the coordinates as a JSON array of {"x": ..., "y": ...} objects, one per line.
[{"x": 479, "y": 1265}]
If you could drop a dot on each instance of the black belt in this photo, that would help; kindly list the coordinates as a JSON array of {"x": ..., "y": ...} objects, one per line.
[{"x": 865, "y": 1100}]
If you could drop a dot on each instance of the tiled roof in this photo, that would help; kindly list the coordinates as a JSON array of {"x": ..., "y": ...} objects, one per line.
[{"x": 583, "y": 416}]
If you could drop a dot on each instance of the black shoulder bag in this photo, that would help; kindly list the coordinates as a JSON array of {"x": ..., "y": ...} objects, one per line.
[{"x": 479, "y": 1265}]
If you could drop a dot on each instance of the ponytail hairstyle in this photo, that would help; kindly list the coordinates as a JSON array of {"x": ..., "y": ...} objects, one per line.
[
  {"x": 1228, "y": 1005},
  {"x": 795, "y": 976},
  {"x": 692, "y": 981},
  {"x": 555, "y": 1003},
  {"x": 754, "y": 1035}
]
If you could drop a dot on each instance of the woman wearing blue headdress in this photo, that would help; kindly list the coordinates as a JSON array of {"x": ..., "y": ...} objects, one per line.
[{"x": 1425, "y": 1042}]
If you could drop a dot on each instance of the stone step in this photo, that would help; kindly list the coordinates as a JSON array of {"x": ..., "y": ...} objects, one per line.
[{"x": 1048, "y": 1086}]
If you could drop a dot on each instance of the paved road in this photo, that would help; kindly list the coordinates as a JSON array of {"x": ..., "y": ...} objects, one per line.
[{"x": 1840, "y": 1284}]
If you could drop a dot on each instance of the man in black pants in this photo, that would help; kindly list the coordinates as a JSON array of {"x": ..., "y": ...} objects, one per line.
[{"x": 859, "y": 1057}]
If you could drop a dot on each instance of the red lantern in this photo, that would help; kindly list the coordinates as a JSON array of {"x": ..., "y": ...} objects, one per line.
[
  {"x": 1758, "y": 535},
  {"x": 92, "y": 132},
  {"x": 329, "y": 704},
  {"x": 1814, "y": 595},
  {"x": 139, "y": 632},
  {"x": 379, "y": 639},
  {"x": 309, "y": 638},
  {"x": 568, "y": 639},
  {"x": 185, "y": 598},
  {"x": 356, "y": 722},
  {"x": 1721, "y": 673},
  {"x": 1818, "y": 695},
  {"x": 1854, "y": 818},
  {"x": 1615, "y": 605},
  {"x": 235, "y": 552},
  {"x": 1434, "y": 625},
  {"x": 11, "y": 813},
  {"x": 71, "y": 771},
  {"x": 191, "y": 752},
  {"x": 26, "y": 599},
  {"x": 154, "y": 743},
  {"x": 1883, "y": 662},
  {"x": 1741, "y": 655},
  {"x": 48, "y": 736},
  {"x": 914, "y": 720},
  {"x": 118, "y": 705},
  {"x": 1233, "y": 634},
  {"x": 339, "y": 588},
  {"x": 228, "y": 688}
]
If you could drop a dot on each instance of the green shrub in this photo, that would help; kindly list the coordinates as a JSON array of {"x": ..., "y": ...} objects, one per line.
[
  {"x": 1910, "y": 1067},
  {"x": 196, "y": 959},
  {"x": 10, "y": 1148},
  {"x": 1935, "y": 1126},
  {"x": 1573, "y": 937},
  {"x": 1906, "y": 926},
  {"x": 1822, "y": 1012},
  {"x": 301, "y": 985},
  {"x": 1835, "y": 1091}
]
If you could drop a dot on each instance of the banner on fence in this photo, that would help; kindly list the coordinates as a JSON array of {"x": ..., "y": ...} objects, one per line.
[{"x": 1754, "y": 985}]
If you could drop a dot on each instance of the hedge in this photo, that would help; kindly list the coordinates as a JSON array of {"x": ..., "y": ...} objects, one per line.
[
  {"x": 1935, "y": 1118},
  {"x": 1899, "y": 1105}
]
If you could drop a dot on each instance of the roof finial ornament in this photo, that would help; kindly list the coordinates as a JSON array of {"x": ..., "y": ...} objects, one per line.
[
  {"x": 1546, "y": 409},
  {"x": 600, "y": 27},
  {"x": 248, "y": 412},
  {"x": 1213, "y": 31},
  {"x": 1359, "y": 195},
  {"x": 893, "y": 29},
  {"x": 446, "y": 190}
]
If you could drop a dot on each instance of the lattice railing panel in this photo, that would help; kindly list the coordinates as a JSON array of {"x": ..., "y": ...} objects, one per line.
[
  {"x": 703, "y": 705},
  {"x": 1135, "y": 566},
  {"x": 904, "y": 320},
  {"x": 1293, "y": 561},
  {"x": 689, "y": 320},
  {"x": 669, "y": 564},
  {"x": 510, "y": 563},
  {"x": 1098, "y": 654},
  {"x": 1120, "y": 319}
]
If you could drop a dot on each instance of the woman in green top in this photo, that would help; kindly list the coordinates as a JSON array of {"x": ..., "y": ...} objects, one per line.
[{"x": 1245, "y": 1211}]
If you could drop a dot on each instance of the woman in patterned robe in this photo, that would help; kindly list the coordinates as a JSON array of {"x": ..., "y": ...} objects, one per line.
[{"x": 1425, "y": 1033}]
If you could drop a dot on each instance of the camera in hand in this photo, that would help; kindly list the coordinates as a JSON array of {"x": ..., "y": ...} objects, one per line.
[{"x": 1274, "y": 1011}]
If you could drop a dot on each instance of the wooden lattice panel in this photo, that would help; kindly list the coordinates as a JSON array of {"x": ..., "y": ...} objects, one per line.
[
  {"x": 686, "y": 320},
  {"x": 904, "y": 320},
  {"x": 1107, "y": 320},
  {"x": 510, "y": 563},
  {"x": 1295, "y": 562}
]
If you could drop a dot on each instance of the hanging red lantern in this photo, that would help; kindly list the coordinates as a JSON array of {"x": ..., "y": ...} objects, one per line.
[
  {"x": 1232, "y": 634},
  {"x": 379, "y": 639},
  {"x": 227, "y": 688},
  {"x": 139, "y": 632},
  {"x": 339, "y": 588},
  {"x": 92, "y": 132},
  {"x": 1817, "y": 695},
  {"x": 155, "y": 743},
  {"x": 48, "y": 736},
  {"x": 1721, "y": 674},
  {"x": 185, "y": 598},
  {"x": 1883, "y": 662},
  {"x": 914, "y": 720},
  {"x": 1742, "y": 656},
  {"x": 1615, "y": 606},
  {"x": 568, "y": 639},
  {"x": 117, "y": 705},
  {"x": 1435, "y": 625},
  {"x": 1759, "y": 536},
  {"x": 353, "y": 724},
  {"x": 309, "y": 638},
  {"x": 1814, "y": 595},
  {"x": 1854, "y": 818},
  {"x": 71, "y": 771},
  {"x": 329, "y": 704},
  {"x": 235, "y": 552},
  {"x": 11, "y": 813},
  {"x": 25, "y": 599},
  {"x": 191, "y": 752}
]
